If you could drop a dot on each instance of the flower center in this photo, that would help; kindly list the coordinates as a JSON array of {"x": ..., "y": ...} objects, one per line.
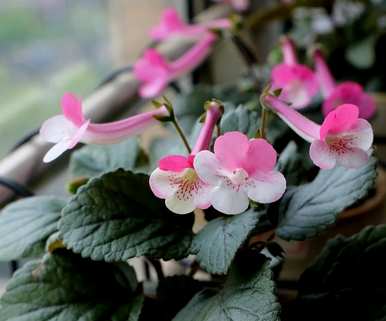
[
  {"x": 339, "y": 144},
  {"x": 188, "y": 184},
  {"x": 239, "y": 176}
]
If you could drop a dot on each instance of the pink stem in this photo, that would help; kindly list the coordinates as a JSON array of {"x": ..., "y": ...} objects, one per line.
[
  {"x": 288, "y": 49},
  {"x": 115, "y": 131},
  {"x": 212, "y": 116},
  {"x": 304, "y": 127},
  {"x": 194, "y": 56},
  {"x": 326, "y": 80}
]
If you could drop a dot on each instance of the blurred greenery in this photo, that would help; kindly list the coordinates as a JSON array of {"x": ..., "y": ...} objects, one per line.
[{"x": 47, "y": 48}]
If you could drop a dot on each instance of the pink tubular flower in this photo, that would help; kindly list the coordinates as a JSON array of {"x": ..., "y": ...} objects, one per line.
[
  {"x": 175, "y": 179},
  {"x": 155, "y": 72},
  {"x": 239, "y": 170},
  {"x": 298, "y": 82},
  {"x": 171, "y": 25},
  {"x": 238, "y": 5},
  {"x": 343, "y": 138},
  {"x": 347, "y": 92},
  {"x": 70, "y": 128}
]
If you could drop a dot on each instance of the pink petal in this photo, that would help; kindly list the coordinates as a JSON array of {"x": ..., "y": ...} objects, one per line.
[
  {"x": 339, "y": 120},
  {"x": 153, "y": 88},
  {"x": 72, "y": 109},
  {"x": 321, "y": 155},
  {"x": 170, "y": 23},
  {"x": 266, "y": 187},
  {"x": 56, "y": 150},
  {"x": 160, "y": 183},
  {"x": 229, "y": 200},
  {"x": 350, "y": 93},
  {"x": 174, "y": 163},
  {"x": 207, "y": 167},
  {"x": 260, "y": 156},
  {"x": 231, "y": 149},
  {"x": 151, "y": 66},
  {"x": 54, "y": 129},
  {"x": 362, "y": 134},
  {"x": 353, "y": 158},
  {"x": 78, "y": 135}
]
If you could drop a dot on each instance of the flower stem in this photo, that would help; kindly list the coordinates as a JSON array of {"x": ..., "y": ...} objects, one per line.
[
  {"x": 263, "y": 123},
  {"x": 181, "y": 134}
]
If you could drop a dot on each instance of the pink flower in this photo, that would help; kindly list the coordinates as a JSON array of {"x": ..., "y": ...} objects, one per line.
[
  {"x": 239, "y": 170},
  {"x": 155, "y": 72},
  {"x": 343, "y": 138},
  {"x": 239, "y": 5},
  {"x": 347, "y": 92},
  {"x": 70, "y": 128},
  {"x": 176, "y": 180},
  {"x": 171, "y": 25},
  {"x": 298, "y": 82}
]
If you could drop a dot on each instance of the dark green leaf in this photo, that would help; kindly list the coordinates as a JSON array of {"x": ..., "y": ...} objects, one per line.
[
  {"x": 308, "y": 209},
  {"x": 93, "y": 160},
  {"x": 244, "y": 297},
  {"x": 348, "y": 279},
  {"x": 217, "y": 243},
  {"x": 65, "y": 287},
  {"x": 115, "y": 217},
  {"x": 25, "y": 226}
]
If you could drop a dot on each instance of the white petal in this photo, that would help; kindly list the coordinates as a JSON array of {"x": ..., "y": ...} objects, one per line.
[
  {"x": 363, "y": 135},
  {"x": 202, "y": 198},
  {"x": 56, "y": 150},
  {"x": 161, "y": 183},
  {"x": 180, "y": 205},
  {"x": 353, "y": 158},
  {"x": 228, "y": 200},
  {"x": 207, "y": 167},
  {"x": 56, "y": 128},
  {"x": 266, "y": 187},
  {"x": 321, "y": 155}
]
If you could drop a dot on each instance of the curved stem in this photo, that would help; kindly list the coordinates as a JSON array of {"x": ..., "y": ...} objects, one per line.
[{"x": 181, "y": 134}]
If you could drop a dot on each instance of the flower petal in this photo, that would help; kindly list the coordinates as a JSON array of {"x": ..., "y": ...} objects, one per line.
[
  {"x": 260, "y": 156},
  {"x": 228, "y": 200},
  {"x": 180, "y": 205},
  {"x": 343, "y": 118},
  {"x": 174, "y": 163},
  {"x": 363, "y": 135},
  {"x": 266, "y": 187},
  {"x": 231, "y": 149},
  {"x": 321, "y": 155},
  {"x": 56, "y": 128},
  {"x": 170, "y": 23},
  {"x": 153, "y": 88},
  {"x": 353, "y": 158},
  {"x": 72, "y": 109},
  {"x": 78, "y": 135},
  {"x": 207, "y": 167},
  {"x": 160, "y": 182},
  {"x": 56, "y": 150}
]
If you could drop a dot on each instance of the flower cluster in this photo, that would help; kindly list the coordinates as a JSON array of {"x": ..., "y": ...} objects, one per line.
[{"x": 300, "y": 84}]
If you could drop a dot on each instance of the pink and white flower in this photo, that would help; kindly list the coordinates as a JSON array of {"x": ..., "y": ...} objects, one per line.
[
  {"x": 238, "y": 5},
  {"x": 70, "y": 128},
  {"x": 172, "y": 25},
  {"x": 176, "y": 180},
  {"x": 155, "y": 72},
  {"x": 240, "y": 169},
  {"x": 297, "y": 82},
  {"x": 347, "y": 92},
  {"x": 343, "y": 138}
]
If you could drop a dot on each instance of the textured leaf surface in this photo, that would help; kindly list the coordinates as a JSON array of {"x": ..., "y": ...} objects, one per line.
[
  {"x": 244, "y": 297},
  {"x": 26, "y": 224},
  {"x": 240, "y": 119},
  {"x": 348, "y": 279},
  {"x": 217, "y": 243},
  {"x": 115, "y": 217},
  {"x": 65, "y": 287},
  {"x": 308, "y": 209},
  {"x": 93, "y": 160}
]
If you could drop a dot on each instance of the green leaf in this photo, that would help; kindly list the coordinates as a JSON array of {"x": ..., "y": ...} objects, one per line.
[
  {"x": 93, "y": 160},
  {"x": 217, "y": 243},
  {"x": 362, "y": 54},
  {"x": 244, "y": 297},
  {"x": 308, "y": 209},
  {"x": 115, "y": 217},
  {"x": 348, "y": 279},
  {"x": 66, "y": 287},
  {"x": 240, "y": 119},
  {"x": 26, "y": 224}
]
